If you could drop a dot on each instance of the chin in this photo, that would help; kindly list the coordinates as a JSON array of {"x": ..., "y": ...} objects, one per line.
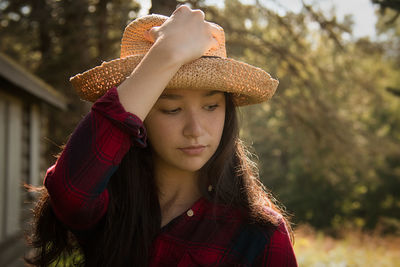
[{"x": 192, "y": 165}]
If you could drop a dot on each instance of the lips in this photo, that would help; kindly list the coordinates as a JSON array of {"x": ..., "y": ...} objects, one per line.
[{"x": 193, "y": 150}]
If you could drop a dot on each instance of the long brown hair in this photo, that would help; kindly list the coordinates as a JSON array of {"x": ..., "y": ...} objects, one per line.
[{"x": 124, "y": 236}]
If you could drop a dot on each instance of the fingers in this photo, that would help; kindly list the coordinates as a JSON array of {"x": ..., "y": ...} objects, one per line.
[
  {"x": 148, "y": 37},
  {"x": 181, "y": 9},
  {"x": 151, "y": 35},
  {"x": 213, "y": 28},
  {"x": 186, "y": 9},
  {"x": 182, "y": 15},
  {"x": 198, "y": 12}
]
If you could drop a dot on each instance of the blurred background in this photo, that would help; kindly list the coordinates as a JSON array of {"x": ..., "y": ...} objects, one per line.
[{"x": 327, "y": 144}]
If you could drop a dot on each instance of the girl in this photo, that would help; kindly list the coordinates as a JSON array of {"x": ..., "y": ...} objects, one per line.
[{"x": 178, "y": 189}]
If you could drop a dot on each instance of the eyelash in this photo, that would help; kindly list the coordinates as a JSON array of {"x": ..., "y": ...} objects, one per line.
[
  {"x": 170, "y": 112},
  {"x": 212, "y": 107},
  {"x": 175, "y": 111}
]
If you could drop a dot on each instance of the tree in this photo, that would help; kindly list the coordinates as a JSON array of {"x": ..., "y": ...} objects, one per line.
[
  {"x": 163, "y": 7},
  {"x": 65, "y": 38},
  {"x": 316, "y": 138},
  {"x": 389, "y": 4}
]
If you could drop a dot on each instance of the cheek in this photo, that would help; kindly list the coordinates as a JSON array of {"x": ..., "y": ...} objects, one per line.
[
  {"x": 159, "y": 130},
  {"x": 216, "y": 125}
]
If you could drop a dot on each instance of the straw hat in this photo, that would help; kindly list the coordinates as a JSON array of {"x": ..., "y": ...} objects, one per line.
[{"x": 213, "y": 71}]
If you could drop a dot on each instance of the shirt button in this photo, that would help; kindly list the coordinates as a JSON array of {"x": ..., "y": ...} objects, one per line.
[{"x": 190, "y": 213}]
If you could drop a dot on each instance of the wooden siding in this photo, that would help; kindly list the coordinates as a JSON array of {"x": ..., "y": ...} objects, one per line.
[
  {"x": 34, "y": 146},
  {"x": 3, "y": 122},
  {"x": 12, "y": 172},
  {"x": 21, "y": 159},
  {"x": 25, "y": 101}
]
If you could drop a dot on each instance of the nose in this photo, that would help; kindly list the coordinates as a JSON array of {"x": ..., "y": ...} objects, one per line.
[{"x": 193, "y": 126}]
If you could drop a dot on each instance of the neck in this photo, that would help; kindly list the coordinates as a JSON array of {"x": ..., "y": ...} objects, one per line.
[{"x": 178, "y": 190}]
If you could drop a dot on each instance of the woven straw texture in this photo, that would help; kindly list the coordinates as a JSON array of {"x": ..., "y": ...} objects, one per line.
[{"x": 248, "y": 84}]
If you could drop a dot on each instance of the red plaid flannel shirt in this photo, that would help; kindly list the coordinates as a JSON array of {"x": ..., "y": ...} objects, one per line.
[{"x": 207, "y": 235}]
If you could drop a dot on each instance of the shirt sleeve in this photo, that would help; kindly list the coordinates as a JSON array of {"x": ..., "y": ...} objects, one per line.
[
  {"x": 279, "y": 252},
  {"x": 77, "y": 181}
]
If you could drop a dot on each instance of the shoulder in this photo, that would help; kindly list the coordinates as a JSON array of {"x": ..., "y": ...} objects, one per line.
[
  {"x": 251, "y": 242},
  {"x": 264, "y": 244},
  {"x": 271, "y": 242},
  {"x": 278, "y": 251}
]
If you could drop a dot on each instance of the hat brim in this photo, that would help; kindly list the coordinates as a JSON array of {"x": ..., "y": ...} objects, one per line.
[{"x": 248, "y": 84}]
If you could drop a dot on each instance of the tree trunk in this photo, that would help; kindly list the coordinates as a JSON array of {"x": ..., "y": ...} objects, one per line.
[
  {"x": 163, "y": 7},
  {"x": 41, "y": 14},
  {"x": 103, "y": 42}
]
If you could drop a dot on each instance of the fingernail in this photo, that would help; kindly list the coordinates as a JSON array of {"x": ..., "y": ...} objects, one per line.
[{"x": 147, "y": 35}]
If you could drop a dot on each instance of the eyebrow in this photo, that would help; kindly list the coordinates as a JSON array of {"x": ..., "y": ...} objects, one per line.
[{"x": 175, "y": 96}]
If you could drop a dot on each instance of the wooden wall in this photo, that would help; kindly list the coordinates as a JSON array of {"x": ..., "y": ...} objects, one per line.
[{"x": 21, "y": 160}]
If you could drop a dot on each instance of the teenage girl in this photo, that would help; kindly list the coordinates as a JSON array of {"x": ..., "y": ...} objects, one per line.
[{"x": 155, "y": 174}]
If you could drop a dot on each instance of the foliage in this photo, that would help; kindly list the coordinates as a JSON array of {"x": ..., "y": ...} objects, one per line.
[
  {"x": 385, "y": 5},
  {"x": 325, "y": 140},
  {"x": 57, "y": 39}
]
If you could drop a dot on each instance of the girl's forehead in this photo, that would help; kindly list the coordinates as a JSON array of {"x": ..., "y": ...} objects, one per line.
[{"x": 187, "y": 93}]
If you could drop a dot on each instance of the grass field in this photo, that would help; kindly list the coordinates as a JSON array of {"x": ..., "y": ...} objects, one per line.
[{"x": 354, "y": 249}]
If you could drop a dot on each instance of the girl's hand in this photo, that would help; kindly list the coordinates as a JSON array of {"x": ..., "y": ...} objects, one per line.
[{"x": 186, "y": 35}]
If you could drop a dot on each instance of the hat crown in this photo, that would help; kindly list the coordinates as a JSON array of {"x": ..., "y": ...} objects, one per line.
[{"x": 134, "y": 43}]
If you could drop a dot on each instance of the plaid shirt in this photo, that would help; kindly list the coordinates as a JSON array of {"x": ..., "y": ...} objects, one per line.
[{"x": 208, "y": 234}]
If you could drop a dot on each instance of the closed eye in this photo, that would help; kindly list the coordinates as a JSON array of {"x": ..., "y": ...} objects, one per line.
[
  {"x": 211, "y": 107},
  {"x": 171, "y": 111}
]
